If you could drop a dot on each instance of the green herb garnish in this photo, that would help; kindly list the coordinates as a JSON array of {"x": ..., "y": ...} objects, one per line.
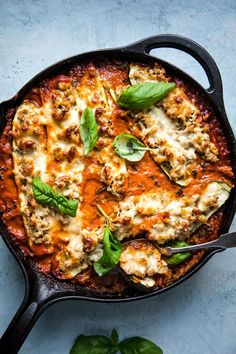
[
  {"x": 111, "y": 253},
  {"x": 139, "y": 345},
  {"x": 140, "y": 96},
  {"x": 178, "y": 258},
  {"x": 44, "y": 194},
  {"x": 88, "y": 130},
  {"x": 111, "y": 249},
  {"x": 105, "y": 345},
  {"x": 96, "y": 344},
  {"x": 129, "y": 147}
]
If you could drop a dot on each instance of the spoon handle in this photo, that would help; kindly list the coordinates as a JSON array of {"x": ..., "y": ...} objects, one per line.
[{"x": 224, "y": 241}]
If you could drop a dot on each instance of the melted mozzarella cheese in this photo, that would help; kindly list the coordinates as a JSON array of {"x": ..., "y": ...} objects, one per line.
[
  {"x": 138, "y": 74},
  {"x": 65, "y": 173},
  {"x": 114, "y": 172},
  {"x": 170, "y": 217},
  {"x": 142, "y": 260},
  {"x": 172, "y": 148},
  {"x": 173, "y": 130}
]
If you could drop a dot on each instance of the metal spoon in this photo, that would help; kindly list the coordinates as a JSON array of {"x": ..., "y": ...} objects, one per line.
[{"x": 224, "y": 241}]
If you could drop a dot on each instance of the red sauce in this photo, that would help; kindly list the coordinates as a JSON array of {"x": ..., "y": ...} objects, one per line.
[{"x": 9, "y": 204}]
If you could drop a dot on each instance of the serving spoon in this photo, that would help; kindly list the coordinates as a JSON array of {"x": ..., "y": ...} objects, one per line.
[{"x": 224, "y": 241}]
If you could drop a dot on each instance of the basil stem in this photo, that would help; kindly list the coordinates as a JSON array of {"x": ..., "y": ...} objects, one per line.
[
  {"x": 88, "y": 130},
  {"x": 103, "y": 213},
  {"x": 141, "y": 96},
  {"x": 129, "y": 147},
  {"x": 178, "y": 258},
  {"x": 44, "y": 194}
]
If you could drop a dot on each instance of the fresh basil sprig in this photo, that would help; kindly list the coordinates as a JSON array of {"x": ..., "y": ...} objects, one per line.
[
  {"x": 111, "y": 253},
  {"x": 105, "y": 345},
  {"x": 141, "y": 96},
  {"x": 44, "y": 194},
  {"x": 129, "y": 147},
  {"x": 178, "y": 258},
  {"x": 88, "y": 130},
  {"x": 111, "y": 249}
]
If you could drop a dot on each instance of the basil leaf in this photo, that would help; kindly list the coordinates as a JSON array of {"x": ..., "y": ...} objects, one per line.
[
  {"x": 93, "y": 345},
  {"x": 111, "y": 253},
  {"x": 115, "y": 339},
  {"x": 140, "y": 96},
  {"x": 88, "y": 130},
  {"x": 178, "y": 258},
  {"x": 138, "y": 345},
  {"x": 129, "y": 147},
  {"x": 44, "y": 194}
]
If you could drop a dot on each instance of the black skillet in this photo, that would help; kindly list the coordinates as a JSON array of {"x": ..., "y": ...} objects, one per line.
[{"x": 42, "y": 291}]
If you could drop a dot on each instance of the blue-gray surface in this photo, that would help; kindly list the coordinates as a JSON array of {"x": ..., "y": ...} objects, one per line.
[{"x": 198, "y": 317}]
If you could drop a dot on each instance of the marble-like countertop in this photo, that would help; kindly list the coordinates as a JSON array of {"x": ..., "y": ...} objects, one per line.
[{"x": 198, "y": 317}]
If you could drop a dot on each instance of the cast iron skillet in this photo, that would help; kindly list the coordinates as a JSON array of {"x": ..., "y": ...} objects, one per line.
[{"x": 42, "y": 291}]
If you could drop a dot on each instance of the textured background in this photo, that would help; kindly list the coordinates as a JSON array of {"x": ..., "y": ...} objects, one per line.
[{"x": 198, "y": 317}]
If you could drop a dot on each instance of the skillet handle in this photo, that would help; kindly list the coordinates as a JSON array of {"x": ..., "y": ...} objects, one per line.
[
  {"x": 31, "y": 308},
  {"x": 196, "y": 51}
]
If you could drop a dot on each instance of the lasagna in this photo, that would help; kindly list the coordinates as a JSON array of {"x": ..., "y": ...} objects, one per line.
[{"x": 173, "y": 193}]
